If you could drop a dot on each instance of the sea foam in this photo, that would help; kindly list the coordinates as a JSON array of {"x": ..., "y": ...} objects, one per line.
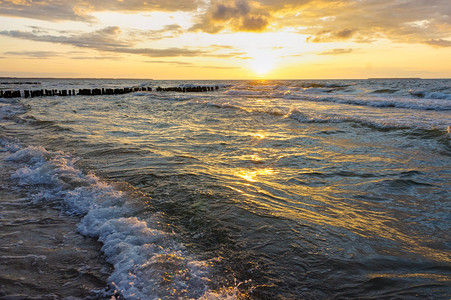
[{"x": 148, "y": 262}]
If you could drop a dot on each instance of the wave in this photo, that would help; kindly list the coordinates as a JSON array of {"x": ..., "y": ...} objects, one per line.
[
  {"x": 236, "y": 106},
  {"x": 247, "y": 93},
  {"x": 323, "y": 85},
  {"x": 384, "y": 91},
  {"x": 9, "y": 111},
  {"x": 381, "y": 98},
  {"x": 303, "y": 117},
  {"x": 279, "y": 90},
  {"x": 379, "y": 102},
  {"x": 148, "y": 261},
  {"x": 331, "y": 118},
  {"x": 430, "y": 95}
]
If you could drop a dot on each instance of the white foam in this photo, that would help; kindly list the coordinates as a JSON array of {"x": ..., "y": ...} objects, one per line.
[
  {"x": 148, "y": 262},
  {"x": 9, "y": 110},
  {"x": 437, "y": 95},
  {"x": 430, "y": 95},
  {"x": 302, "y": 117},
  {"x": 375, "y": 101}
]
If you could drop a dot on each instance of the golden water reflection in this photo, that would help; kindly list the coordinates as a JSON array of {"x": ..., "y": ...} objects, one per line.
[
  {"x": 252, "y": 176},
  {"x": 322, "y": 205}
]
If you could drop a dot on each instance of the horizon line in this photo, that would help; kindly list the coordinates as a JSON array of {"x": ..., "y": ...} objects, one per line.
[{"x": 263, "y": 79}]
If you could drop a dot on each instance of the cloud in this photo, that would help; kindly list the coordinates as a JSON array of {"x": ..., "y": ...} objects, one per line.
[
  {"x": 103, "y": 39},
  {"x": 172, "y": 30},
  {"x": 96, "y": 57},
  {"x": 218, "y": 67},
  {"x": 173, "y": 62},
  {"x": 188, "y": 64},
  {"x": 331, "y": 36},
  {"x": 238, "y": 15},
  {"x": 438, "y": 43},
  {"x": 43, "y": 10},
  {"x": 254, "y": 23},
  {"x": 108, "y": 39},
  {"x": 34, "y": 54},
  {"x": 336, "y": 52},
  {"x": 406, "y": 21},
  {"x": 167, "y": 52},
  {"x": 79, "y": 10},
  {"x": 363, "y": 21}
]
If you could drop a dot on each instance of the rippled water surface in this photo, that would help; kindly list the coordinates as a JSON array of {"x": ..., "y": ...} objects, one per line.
[{"x": 257, "y": 190}]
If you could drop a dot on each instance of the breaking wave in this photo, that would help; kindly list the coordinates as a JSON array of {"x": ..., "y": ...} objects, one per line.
[{"x": 148, "y": 261}]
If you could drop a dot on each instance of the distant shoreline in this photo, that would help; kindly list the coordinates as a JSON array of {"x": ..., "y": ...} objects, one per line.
[
  {"x": 396, "y": 78},
  {"x": 72, "y": 78},
  {"x": 4, "y": 78}
]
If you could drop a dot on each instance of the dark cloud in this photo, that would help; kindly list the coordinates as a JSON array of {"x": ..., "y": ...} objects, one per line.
[
  {"x": 225, "y": 12},
  {"x": 236, "y": 16},
  {"x": 345, "y": 33},
  {"x": 254, "y": 23},
  {"x": 336, "y": 52},
  {"x": 438, "y": 43}
]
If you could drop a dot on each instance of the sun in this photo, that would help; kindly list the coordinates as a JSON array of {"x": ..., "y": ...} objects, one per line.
[{"x": 261, "y": 63}]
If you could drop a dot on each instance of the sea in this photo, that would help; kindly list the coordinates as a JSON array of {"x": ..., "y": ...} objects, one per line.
[{"x": 259, "y": 189}]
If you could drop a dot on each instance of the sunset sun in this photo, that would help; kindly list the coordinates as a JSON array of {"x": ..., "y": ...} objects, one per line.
[{"x": 262, "y": 63}]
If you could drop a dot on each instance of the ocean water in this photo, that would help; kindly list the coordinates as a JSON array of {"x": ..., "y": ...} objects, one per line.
[{"x": 332, "y": 189}]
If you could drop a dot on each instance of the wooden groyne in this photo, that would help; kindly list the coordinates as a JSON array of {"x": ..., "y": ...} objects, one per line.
[
  {"x": 19, "y": 82},
  {"x": 102, "y": 91}
]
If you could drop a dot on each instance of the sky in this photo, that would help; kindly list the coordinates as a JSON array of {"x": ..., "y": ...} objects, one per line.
[{"x": 210, "y": 39}]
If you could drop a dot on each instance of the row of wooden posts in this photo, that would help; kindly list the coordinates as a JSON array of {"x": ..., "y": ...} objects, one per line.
[{"x": 102, "y": 91}]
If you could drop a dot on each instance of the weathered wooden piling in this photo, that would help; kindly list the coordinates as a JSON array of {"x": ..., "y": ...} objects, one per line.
[
  {"x": 11, "y": 94},
  {"x": 104, "y": 91}
]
